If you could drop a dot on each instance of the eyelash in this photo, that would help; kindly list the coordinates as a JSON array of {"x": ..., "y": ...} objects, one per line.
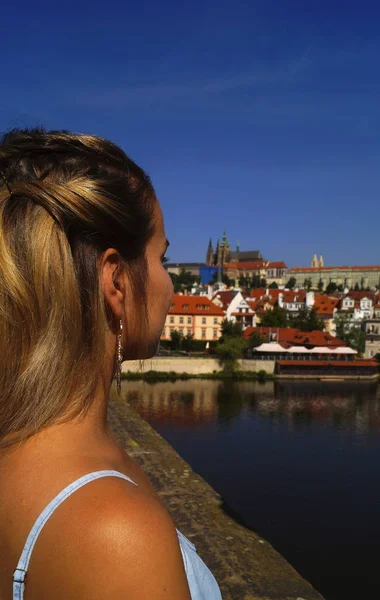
[{"x": 164, "y": 259}]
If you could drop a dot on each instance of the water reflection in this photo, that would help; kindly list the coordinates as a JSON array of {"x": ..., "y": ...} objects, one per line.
[
  {"x": 295, "y": 461},
  {"x": 347, "y": 406},
  {"x": 177, "y": 402}
]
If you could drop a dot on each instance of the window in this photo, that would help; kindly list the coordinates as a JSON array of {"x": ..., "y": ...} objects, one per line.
[
  {"x": 203, "y": 320},
  {"x": 207, "y": 307},
  {"x": 203, "y": 333},
  {"x": 181, "y": 320},
  {"x": 199, "y": 306},
  {"x": 215, "y": 320},
  {"x": 171, "y": 319},
  {"x": 185, "y": 306},
  {"x": 189, "y": 320},
  {"x": 215, "y": 333}
]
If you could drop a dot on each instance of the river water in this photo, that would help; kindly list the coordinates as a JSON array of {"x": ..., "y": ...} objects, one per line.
[{"x": 297, "y": 462}]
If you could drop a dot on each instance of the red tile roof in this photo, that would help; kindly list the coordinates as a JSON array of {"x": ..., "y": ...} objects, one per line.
[
  {"x": 193, "y": 302},
  {"x": 359, "y": 295},
  {"x": 225, "y": 298},
  {"x": 324, "y": 305},
  {"x": 247, "y": 266},
  {"x": 295, "y": 337},
  {"x": 275, "y": 293},
  {"x": 291, "y": 296},
  {"x": 252, "y": 304},
  {"x": 256, "y": 293}
]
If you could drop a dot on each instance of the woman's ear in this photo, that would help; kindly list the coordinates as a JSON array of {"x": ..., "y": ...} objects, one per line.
[{"x": 112, "y": 277}]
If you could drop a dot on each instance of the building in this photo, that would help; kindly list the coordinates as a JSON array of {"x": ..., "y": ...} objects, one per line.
[
  {"x": 367, "y": 277},
  {"x": 236, "y": 307},
  {"x": 292, "y": 301},
  {"x": 194, "y": 315},
  {"x": 325, "y": 308},
  {"x": 371, "y": 328},
  {"x": 276, "y": 272},
  {"x": 272, "y": 272},
  {"x": 360, "y": 303},
  {"x": 376, "y": 307},
  {"x": 177, "y": 268},
  {"x": 246, "y": 256},
  {"x": 221, "y": 254}
]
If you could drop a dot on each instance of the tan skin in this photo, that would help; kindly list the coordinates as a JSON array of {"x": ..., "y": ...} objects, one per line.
[{"x": 110, "y": 539}]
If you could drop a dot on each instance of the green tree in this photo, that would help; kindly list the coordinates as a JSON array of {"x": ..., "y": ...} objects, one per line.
[
  {"x": 176, "y": 339},
  {"x": 291, "y": 283},
  {"x": 256, "y": 339},
  {"x": 263, "y": 283},
  {"x": 231, "y": 329},
  {"x": 228, "y": 351},
  {"x": 307, "y": 283},
  {"x": 357, "y": 288},
  {"x": 245, "y": 282},
  {"x": 187, "y": 342},
  {"x": 356, "y": 340},
  {"x": 350, "y": 333},
  {"x": 331, "y": 287},
  {"x": 256, "y": 281},
  {"x": 185, "y": 280},
  {"x": 307, "y": 320},
  {"x": 273, "y": 286},
  {"x": 278, "y": 317},
  {"x": 320, "y": 285}
]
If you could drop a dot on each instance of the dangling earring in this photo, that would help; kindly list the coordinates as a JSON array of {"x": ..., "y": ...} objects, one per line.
[{"x": 119, "y": 358}]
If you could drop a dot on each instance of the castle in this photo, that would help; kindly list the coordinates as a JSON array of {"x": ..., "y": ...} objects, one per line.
[{"x": 223, "y": 254}]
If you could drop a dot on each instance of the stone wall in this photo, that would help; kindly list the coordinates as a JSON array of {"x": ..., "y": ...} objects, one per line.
[{"x": 194, "y": 366}]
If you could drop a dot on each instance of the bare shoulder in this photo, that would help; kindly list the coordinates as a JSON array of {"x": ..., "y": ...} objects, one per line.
[{"x": 119, "y": 543}]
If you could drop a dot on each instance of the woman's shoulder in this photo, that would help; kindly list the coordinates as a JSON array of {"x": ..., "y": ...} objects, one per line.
[{"x": 112, "y": 540}]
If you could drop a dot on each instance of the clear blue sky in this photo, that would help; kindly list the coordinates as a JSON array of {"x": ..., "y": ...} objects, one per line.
[{"x": 259, "y": 116}]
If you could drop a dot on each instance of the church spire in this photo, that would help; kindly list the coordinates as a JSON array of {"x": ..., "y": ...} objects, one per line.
[{"x": 210, "y": 254}]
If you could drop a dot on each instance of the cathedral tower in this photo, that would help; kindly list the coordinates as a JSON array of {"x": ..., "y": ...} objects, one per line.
[
  {"x": 223, "y": 251},
  {"x": 210, "y": 255}
]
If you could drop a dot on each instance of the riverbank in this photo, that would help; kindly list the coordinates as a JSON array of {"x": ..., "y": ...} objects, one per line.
[
  {"x": 156, "y": 376},
  {"x": 177, "y": 367},
  {"x": 245, "y": 565}
]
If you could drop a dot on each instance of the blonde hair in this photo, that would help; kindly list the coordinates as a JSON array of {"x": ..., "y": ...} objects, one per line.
[{"x": 64, "y": 199}]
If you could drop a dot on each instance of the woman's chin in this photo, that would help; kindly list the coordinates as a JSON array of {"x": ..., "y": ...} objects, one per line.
[{"x": 149, "y": 350}]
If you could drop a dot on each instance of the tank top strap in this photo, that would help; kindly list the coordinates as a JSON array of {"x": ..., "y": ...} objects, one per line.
[{"x": 19, "y": 574}]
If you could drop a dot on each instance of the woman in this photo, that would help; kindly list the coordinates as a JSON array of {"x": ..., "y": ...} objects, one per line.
[{"x": 82, "y": 287}]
